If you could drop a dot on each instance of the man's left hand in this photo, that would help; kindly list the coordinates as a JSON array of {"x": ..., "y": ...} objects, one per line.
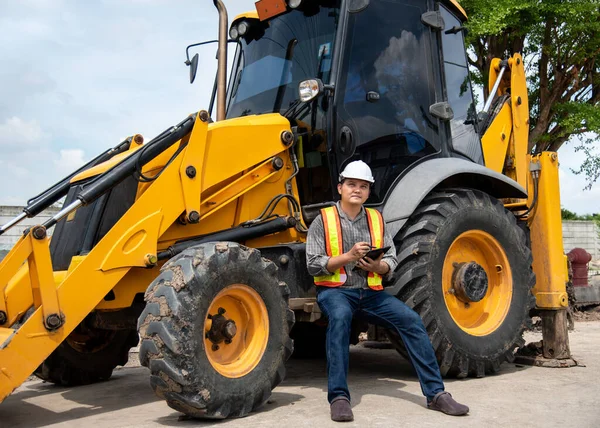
[{"x": 371, "y": 265}]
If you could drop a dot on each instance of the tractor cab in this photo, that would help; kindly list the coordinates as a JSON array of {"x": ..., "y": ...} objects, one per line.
[{"x": 391, "y": 85}]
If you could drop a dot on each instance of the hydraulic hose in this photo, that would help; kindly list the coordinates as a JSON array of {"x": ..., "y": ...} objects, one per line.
[{"x": 121, "y": 171}]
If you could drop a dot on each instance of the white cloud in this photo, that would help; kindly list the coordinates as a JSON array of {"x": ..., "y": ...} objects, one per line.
[
  {"x": 16, "y": 133},
  {"x": 69, "y": 160}
]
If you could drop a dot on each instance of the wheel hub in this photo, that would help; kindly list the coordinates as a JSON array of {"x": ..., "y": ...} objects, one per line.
[
  {"x": 470, "y": 282},
  {"x": 222, "y": 329}
]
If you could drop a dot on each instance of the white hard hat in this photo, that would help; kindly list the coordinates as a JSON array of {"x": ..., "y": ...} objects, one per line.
[{"x": 359, "y": 170}]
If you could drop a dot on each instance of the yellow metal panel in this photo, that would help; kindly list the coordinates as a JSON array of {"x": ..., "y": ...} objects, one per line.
[
  {"x": 42, "y": 277},
  {"x": 194, "y": 157},
  {"x": 496, "y": 138},
  {"x": 238, "y": 144},
  {"x": 134, "y": 282},
  {"x": 520, "y": 113},
  {"x": 9, "y": 266},
  {"x": 546, "y": 237},
  {"x": 134, "y": 244},
  {"x": 19, "y": 297},
  {"x": 234, "y": 146},
  {"x": 5, "y": 333},
  {"x": 237, "y": 188}
]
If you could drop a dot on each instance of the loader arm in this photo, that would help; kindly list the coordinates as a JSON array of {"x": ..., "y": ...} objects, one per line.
[
  {"x": 505, "y": 146},
  {"x": 54, "y": 304}
]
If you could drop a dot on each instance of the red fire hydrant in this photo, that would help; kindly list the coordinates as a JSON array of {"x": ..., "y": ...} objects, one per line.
[{"x": 579, "y": 259}]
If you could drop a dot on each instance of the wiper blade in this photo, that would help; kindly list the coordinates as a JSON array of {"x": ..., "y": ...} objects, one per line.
[
  {"x": 293, "y": 111},
  {"x": 289, "y": 52}
]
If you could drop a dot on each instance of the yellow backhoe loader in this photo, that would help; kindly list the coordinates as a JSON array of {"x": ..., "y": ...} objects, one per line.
[{"x": 194, "y": 242}]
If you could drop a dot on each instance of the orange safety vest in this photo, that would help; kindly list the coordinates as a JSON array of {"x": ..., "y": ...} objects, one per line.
[{"x": 334, "y": 245}]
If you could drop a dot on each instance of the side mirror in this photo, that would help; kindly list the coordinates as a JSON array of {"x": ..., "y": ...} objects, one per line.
[
  {"x": 193, "y": 64},
  {"x": 310, "y": 89}
]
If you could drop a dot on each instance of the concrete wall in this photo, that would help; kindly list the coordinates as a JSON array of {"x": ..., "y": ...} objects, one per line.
[
  {"x": 581, "y": 234},
  {"x": 7, "y": 213}
]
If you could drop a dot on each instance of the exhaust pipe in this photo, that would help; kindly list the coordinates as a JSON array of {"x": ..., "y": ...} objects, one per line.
[{"x": 222, "y": 61}]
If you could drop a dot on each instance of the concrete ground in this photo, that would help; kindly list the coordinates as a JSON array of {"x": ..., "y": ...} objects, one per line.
[{"x": 385, "y": 393}]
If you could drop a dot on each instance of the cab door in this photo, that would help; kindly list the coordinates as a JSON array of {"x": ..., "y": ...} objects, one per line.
[{"x": 384, "y": 90}]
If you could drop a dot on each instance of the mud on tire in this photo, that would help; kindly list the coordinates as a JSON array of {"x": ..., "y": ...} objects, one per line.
[
  {"x": 174, "y": 336},
  {"x": 423, "y": 245}
]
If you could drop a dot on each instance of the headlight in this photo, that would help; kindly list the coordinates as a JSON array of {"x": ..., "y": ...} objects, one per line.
[
  {"x": 294, "y": 3},
  {"x": 309, "y": 89},
  {"x": 242, "y": 28},
  {"x": 233, "y": 33}
]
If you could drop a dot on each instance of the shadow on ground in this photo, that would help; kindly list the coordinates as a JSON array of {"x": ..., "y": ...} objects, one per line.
[
  {"x": 37, "y": 404},
  {"x": 387, "y": 366}
]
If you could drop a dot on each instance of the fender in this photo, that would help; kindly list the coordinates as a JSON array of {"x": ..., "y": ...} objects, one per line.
[{"x": 411, "y": 189}]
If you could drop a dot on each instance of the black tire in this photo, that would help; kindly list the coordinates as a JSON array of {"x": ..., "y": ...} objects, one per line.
[
  {"x": 88, "y": 355},
  {"x": 422, "y": 248},
  {"x": 172, "y": 329}
]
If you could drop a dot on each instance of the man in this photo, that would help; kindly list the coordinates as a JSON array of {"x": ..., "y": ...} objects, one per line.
[{"x": 349, "y": 284}]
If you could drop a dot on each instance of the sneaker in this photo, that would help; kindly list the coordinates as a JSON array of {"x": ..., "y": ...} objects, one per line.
[{"x": 443, "y": 402}]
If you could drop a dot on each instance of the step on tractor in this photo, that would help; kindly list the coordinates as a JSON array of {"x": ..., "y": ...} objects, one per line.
[{"x": 193, "y": 243}]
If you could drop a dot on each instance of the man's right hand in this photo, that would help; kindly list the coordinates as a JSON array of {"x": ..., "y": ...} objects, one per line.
[{"x": 359, "y": 250}]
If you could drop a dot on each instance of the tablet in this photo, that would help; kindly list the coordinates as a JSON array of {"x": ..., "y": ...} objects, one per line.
[{"x": 373, "y": 254}]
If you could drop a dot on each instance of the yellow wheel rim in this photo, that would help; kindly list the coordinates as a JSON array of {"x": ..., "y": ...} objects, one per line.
[
  {"x": 246, "y": 308},
  {"x": 485, "y": 316}
]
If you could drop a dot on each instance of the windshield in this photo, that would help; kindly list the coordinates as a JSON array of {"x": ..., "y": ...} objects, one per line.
[{"x": 277, "y": 55}]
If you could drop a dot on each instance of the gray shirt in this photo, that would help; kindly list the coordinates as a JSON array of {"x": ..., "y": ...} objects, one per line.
[{"x": 353, "y": 231}]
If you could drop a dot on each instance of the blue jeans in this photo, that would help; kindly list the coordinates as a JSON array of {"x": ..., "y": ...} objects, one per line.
[{"x": 380, "y": 308}]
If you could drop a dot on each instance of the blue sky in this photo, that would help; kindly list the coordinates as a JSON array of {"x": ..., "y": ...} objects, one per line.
[{"x": 77, "y": 77}]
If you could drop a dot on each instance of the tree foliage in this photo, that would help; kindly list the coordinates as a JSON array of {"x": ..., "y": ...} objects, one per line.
[
  {"x": 560, "y": 44},
  {"x": 570, "y": 215}
]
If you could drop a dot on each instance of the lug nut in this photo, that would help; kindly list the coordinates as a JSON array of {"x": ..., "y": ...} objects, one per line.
[
  {"x": 190, "y": 171},
  {"x": 221, "y": 311},
  {"x": 53, "y": 322},
  {"x": 150, "y": 260},
  {"x": 39, "y": 232},
  {"x": 229, "y": 330},
  {"x": 215, "y": 347},
  {"x": 194, "y": 217},
  {"x": 287, "y": 138},
  {"x": 204, "y": 116},
  {"x": 277, "y": 163}
]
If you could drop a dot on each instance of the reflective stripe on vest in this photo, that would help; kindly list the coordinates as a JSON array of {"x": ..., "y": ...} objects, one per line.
[
  {"x": 375, "y": 218},
  {"x": 334, "y": 245}
]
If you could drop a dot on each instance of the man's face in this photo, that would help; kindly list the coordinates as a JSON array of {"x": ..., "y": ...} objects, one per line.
[{"x": 354, "y": 191}]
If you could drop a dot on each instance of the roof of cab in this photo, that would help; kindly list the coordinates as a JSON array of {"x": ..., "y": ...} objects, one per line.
[{"x": 253, "y": 14}]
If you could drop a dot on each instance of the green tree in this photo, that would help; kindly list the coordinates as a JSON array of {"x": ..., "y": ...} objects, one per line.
[
  {"x": 560, "y": 43},
  {"x": 568, "y": 215}
]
